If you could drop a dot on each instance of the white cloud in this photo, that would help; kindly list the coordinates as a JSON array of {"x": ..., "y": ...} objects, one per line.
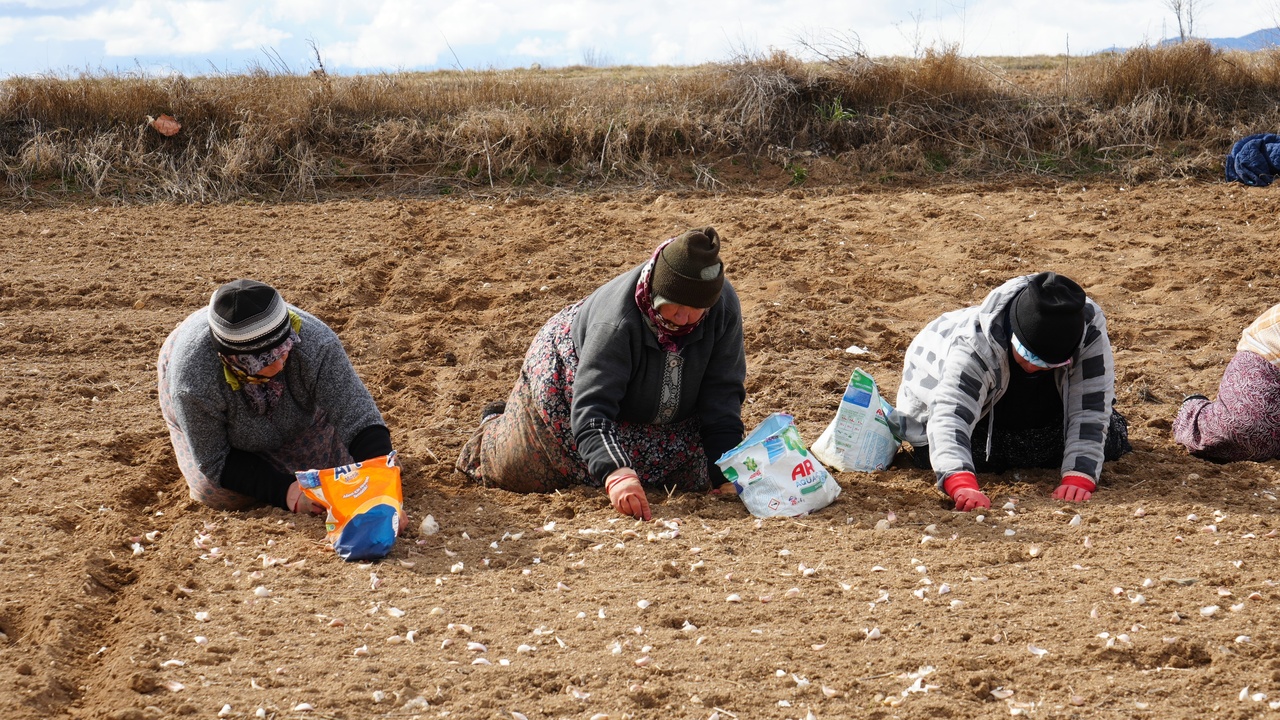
[
  {"x": 154, "y": 27},
  {"x": 392, "y": 34}
]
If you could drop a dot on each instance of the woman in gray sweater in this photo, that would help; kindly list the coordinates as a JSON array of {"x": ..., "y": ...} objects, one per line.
[
  {"x": 639, "y": 385},
  {"x": 253, "y": 389}
]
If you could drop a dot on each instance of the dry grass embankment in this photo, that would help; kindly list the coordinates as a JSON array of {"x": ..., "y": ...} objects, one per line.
[{"x": 1146, "y": 113}]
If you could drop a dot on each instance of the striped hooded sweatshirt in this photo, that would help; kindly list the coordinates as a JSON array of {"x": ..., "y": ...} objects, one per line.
[{"x": 957, "y": 369}]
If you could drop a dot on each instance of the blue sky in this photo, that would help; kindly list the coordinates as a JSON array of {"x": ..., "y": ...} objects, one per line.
[{"x": 196, "y": 37}]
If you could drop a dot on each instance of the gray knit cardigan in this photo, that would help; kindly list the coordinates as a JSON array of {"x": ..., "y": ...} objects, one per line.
[{"x": 215, "y": 418}]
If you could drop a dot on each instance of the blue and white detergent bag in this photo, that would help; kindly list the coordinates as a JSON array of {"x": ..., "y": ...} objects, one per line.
[
  {"x": 859, "y": 437},
  {"x": 775, "y": 475}
]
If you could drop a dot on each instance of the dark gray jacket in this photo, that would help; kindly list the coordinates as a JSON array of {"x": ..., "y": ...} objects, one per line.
[{"x": 625, "y": 376}]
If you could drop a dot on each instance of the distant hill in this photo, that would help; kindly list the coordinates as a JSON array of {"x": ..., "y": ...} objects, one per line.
[{"x": 1256, "y": 40}]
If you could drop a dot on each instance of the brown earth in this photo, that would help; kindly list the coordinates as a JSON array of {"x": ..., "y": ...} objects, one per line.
[{"x": 436, "y": 302}]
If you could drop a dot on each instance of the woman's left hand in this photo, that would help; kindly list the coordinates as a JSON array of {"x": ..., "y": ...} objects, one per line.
[
  {"x": 726, "y": 490},
  {"x": 1075, "y": 488},
  {"x": 299, "y": 502}
]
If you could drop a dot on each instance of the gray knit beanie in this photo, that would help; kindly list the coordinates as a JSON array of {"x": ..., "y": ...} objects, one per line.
[{"x": 247, "y": 317}]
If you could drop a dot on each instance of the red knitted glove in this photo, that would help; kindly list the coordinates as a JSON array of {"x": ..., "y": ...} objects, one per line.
[
  {"x": 1075, "y": 488},
  {"x": 626, "y": 494},
  {"x": 963, "y": 488}
]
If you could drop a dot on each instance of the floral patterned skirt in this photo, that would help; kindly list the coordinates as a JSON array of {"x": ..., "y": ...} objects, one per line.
[
  {"x": 530, "y": 446},
  {"x": 1243, "y": 423}
]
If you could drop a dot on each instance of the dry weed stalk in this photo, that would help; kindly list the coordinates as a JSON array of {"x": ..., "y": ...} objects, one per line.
[{"x": 1144, "y": 113}]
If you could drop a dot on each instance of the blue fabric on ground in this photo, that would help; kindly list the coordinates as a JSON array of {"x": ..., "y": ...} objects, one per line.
[{"x": 1254, "y": 160}]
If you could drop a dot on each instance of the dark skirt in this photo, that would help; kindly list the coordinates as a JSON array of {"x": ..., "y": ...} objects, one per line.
[
  {"x": 530, "y": 446},
  {"x": 1032, "y": 447}
]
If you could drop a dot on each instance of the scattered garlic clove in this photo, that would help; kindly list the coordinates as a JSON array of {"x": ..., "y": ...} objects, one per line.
[
  {"x": 733, "y": 598},
  {"x": 643, "y": 604},
  {"x": 1209, "y": 610},
  {"x": 261, "y": 592},
  {"x": 642, "y": 662},
  {"x": 361, "y": 651},
  {"x": 477, "y": 647}
]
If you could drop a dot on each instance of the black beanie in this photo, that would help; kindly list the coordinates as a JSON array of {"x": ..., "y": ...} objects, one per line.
[
  {"x": 688, "y": 271},
  {"x": 1048, "y": 317},
  {"x": 247, "y": 317}
]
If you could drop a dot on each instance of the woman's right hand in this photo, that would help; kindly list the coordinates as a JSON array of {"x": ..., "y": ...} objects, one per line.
[{"x": 626, "y": 494}]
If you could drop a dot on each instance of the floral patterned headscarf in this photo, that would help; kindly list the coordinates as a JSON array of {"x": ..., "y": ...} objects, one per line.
[{"x": 241, "y": 371}]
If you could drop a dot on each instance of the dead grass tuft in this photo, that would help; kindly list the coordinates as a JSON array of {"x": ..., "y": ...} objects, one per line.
[{"x": 1149, "y": 112}]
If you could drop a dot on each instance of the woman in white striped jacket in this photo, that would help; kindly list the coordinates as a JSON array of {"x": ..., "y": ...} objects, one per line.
[{"x": 1023, "y": 380}]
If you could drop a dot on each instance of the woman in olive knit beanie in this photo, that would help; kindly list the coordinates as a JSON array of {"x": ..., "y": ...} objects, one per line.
[{"x": 639, "y": 385}]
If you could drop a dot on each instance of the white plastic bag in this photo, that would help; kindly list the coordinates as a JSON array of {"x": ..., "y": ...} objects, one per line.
[
  {"x": 859, "y": 437},
  {"x": 774, "y": 473}
]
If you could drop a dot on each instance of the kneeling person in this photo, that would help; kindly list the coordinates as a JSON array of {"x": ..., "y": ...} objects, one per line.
[
  {"x": 253, "y": 389},
  {"x": 1244, "y": 422},
  {"x": 1023, "y": 380},
  {"x": 639, "y": 385}
]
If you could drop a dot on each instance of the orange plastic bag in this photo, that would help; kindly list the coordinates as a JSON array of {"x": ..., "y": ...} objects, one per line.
[{"x": 365, "y": 504}]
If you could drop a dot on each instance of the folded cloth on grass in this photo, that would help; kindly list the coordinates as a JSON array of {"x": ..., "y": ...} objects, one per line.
[{"x": 1254, "y": 160}]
